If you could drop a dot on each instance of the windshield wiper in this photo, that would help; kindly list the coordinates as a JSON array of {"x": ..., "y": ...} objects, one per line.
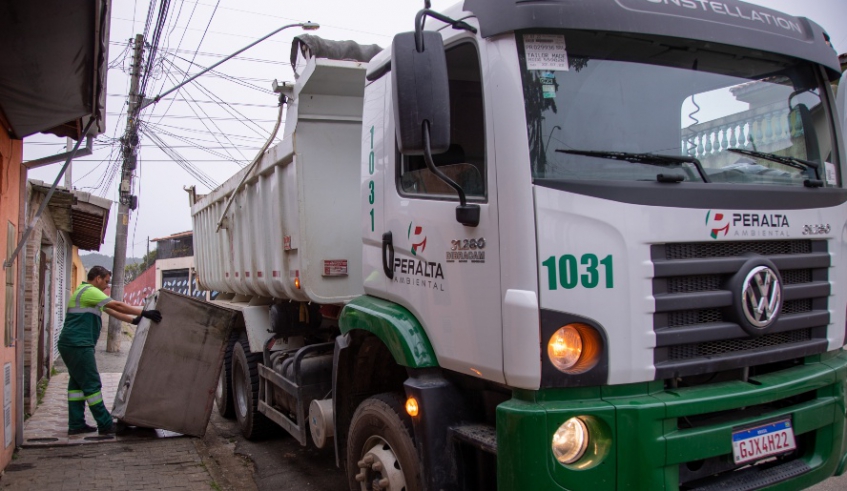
[
  {"x": 789, "y": 161},
  {"x": 642, "y": 158}
]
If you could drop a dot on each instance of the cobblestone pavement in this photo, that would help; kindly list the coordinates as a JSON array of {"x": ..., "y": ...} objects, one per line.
[
  {"x": 48, "y": 426},
  {"x": 172, "y": 464}
]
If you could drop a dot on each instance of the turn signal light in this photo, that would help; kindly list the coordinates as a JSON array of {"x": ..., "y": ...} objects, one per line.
[
  {"x": 412, "y": 407},
  {"x": 297, "y": 282},
  {"x": 575, "y": 348}
]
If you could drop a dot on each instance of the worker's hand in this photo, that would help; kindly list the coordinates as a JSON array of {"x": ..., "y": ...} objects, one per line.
[{"x": 153, "y": 315}]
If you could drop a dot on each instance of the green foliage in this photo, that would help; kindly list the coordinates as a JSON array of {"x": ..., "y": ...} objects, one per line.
[
  {"x": 133, "y": 271},
  {"x": 41, "y": 388}
]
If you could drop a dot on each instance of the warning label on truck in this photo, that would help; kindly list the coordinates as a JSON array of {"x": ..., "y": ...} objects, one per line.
[
  {"x": 545, "y": 52},
  {"x": 335, "y": 267}
]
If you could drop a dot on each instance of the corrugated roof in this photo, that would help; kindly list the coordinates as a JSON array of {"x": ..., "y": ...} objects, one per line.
[{"x": 83, "y": 216}]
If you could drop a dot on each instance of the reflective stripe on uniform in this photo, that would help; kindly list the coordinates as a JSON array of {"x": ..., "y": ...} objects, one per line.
[
  {"x": 75, "y": 395},
  {"x": 95, "y": 398},
  {"x": 79, "y": 295},
  {"x": 84, "y": 310},
  {"x": 103, "y": 303}
]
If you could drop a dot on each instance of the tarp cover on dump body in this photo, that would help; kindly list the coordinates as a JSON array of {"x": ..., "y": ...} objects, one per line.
[{"x": 334, "y": 50}]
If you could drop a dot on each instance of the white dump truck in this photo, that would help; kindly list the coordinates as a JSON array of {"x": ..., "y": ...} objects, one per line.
[{"x": 548, "y": 245}]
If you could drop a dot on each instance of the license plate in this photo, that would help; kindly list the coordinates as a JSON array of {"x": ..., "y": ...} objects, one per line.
[{"x": 751, "y": 444}]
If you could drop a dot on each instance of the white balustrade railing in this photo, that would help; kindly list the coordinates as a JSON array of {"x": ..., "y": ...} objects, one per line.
[{"x": 765, "y": 129}]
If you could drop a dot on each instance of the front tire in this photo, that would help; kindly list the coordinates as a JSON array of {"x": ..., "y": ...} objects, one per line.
[
  {"x": 245, "y": 390},
  {"x": 381, "y": 452}
]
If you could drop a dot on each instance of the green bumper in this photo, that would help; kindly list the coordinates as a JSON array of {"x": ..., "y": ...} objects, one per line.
[{"x": 641, "y": 444}]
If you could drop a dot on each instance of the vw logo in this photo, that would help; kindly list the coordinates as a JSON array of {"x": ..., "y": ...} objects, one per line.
[{"x": 761, "y": 296}]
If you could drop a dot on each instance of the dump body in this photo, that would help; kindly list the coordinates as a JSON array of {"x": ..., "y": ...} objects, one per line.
[{"x": 295, "y": 220}]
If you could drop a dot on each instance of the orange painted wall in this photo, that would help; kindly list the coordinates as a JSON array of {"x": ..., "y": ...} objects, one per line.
[{"x": 12, "y": 178}]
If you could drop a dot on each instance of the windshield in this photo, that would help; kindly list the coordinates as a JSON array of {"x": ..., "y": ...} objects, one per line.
[{"x": 591, "y": 97}]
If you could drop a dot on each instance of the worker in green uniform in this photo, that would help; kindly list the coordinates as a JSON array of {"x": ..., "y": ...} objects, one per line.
[{"x": 76, "y": 345}]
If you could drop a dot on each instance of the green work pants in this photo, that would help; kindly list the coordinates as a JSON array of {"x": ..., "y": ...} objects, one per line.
[{"x": 84, "y": 387}]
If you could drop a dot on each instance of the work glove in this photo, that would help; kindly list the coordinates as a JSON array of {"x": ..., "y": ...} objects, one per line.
[{"x": 153, "y": 315}]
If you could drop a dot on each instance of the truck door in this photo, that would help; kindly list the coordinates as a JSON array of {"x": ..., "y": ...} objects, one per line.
[{"x": 445, "y": 273}]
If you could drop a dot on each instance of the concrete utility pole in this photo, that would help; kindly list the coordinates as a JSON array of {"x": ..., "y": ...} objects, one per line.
[{"x": 129, "y": 144}]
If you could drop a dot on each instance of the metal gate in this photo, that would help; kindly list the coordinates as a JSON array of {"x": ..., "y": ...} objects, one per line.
[{"x": 60, "y": 257}]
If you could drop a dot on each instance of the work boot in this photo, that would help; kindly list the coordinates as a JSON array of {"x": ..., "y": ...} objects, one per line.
[
  {"x": 108, "y": 431},
  {"x": 79, "y": 431}
]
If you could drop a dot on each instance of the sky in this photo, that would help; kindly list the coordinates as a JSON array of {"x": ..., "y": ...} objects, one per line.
[{"x": 220, "y": 123}]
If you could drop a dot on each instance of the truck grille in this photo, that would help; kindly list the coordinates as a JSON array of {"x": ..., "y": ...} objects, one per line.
[{"x": 695, "y": 333}]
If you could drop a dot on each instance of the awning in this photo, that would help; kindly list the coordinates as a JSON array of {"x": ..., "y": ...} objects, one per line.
[
  {"x": 83, "y": 216},
  {"x": 54, "y": 65}
]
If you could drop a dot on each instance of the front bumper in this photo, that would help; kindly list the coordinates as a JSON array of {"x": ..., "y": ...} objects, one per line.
[{"x": 648, "y": 450}]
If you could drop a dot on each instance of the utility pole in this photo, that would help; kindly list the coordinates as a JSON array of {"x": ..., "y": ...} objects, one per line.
[
  {"x": 129, "y": 144},
  {"x": 69, "y": 180}
]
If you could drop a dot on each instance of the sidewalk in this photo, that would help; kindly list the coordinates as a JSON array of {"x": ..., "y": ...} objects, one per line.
[{"x": 141, "y": 459}]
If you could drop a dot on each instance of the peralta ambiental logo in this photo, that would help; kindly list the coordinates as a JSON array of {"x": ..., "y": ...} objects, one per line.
[
  {"x": 416, "y": 247},
  {"x": 723, "y": 224},
  {"x": 719, "y": 224},
  {"x": 417, "y": 271}
]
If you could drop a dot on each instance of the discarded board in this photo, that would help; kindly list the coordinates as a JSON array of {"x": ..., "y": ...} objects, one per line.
[{"x": 172, "y": 369}]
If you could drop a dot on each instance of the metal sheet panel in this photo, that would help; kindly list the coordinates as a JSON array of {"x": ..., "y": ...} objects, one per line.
[{"x": 172, "y": 369}]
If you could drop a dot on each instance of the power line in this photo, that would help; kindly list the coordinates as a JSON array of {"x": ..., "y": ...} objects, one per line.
[
  {"x": 203, "y": 122},
  {"x": 194, "y": 130},
  {"x": 210, "y": 118},
  {"x": 230, "y": 110},
  {"x": 202, "y": 38},
  {"x": 214, "y": 55},
  {"x": 216, "y": 32},
  {"x": 264, "y": 14},
  {"x": 203, "y": 101}
]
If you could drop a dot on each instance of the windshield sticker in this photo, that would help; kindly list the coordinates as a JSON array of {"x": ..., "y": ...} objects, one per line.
[
  {"x": 831, "y": 175},
  {"x": 548, "y": 85},
  {"x": 545, "y": 52}
]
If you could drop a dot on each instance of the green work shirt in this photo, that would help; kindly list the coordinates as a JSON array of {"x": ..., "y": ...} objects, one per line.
[{"x": 83, "y": 321}]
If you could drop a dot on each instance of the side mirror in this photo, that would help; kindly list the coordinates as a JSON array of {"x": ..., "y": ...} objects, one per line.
[{"x": 420, "y": 92}]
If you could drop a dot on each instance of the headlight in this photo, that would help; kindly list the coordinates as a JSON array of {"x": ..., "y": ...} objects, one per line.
[
  {"x": 570, "y": 441},
  {"x": 575, "y": 348},
  {"x": 565, "y": 348}
]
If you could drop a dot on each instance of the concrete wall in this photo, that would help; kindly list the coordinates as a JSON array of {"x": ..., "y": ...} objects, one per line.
[
  {"x": 12, "y": 181},
  {"x": 78, "y": 271}
]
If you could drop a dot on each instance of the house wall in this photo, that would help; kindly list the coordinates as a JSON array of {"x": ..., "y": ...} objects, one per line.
[
  {"x": 173, "y": 263},
  {"x": 136, "y": 291},
  {"x": 78, "y": 271},
  {"x": 12, "y": 179},
  {"x": 43, "y": 237}
]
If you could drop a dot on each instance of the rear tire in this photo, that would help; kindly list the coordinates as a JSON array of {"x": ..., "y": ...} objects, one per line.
[
  {"x": 381, "y": 447},
  {"x": 245, "y": 390},
  {"x": 223, "y": 394}
]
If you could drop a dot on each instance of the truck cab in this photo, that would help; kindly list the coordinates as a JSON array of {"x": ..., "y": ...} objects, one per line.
[
  {"x": 549, "y": 245},
  {"x": 654, "y": 270}
]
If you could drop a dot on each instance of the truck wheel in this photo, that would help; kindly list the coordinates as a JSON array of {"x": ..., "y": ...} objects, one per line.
[
  {"x": 381, "y": 451},
  {"x": 223, "y": 394},
  {"x": 245, "y": 390}
]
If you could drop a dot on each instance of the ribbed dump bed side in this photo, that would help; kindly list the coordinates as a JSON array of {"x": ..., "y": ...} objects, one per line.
[{"x": 296, "y": 219}]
